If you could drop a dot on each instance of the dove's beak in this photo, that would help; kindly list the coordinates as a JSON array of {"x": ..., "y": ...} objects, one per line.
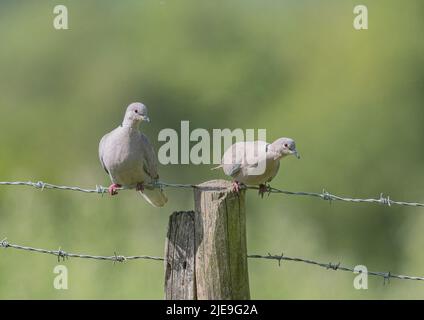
[
  {"x": 296, "y": 154},
  {"x": 146, "y": 118}
]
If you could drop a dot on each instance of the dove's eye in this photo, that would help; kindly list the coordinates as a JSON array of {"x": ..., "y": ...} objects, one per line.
[
  {"x": 286, "y": 145},
  {"x": 136, "y": 111}
]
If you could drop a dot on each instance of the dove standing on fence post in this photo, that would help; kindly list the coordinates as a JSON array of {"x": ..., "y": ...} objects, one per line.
[
  {"x": 241, "y": 157},
  {"x": 129, "y": 159}
]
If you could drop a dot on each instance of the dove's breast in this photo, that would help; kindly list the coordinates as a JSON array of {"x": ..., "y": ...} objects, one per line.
[
  {"x": 269, "y": 173},
  {"x": 123, "y": 156}
]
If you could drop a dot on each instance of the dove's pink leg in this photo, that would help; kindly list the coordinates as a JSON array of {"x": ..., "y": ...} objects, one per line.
[
  {"x": 112, "y": 189},
  {"x": 236, "y": 186},
  {"x": 140, "y": 187},
  {"x": 262, "y": 189}
]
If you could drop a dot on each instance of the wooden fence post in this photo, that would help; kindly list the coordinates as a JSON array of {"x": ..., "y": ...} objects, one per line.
[
  {"x": 179, "y": 257},
  {"x": 205, "y": 252}
]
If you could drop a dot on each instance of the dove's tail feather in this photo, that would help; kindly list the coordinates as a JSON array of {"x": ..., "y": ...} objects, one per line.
[
  {"x": 155, "y": 196},
  {"x": 217, "y": 167}
]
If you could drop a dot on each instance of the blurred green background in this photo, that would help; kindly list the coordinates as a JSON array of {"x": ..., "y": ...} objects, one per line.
[{"x": 353, "y": 100}]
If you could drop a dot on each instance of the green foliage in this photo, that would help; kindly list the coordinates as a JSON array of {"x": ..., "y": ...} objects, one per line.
[{"x": 351, "y": 99}]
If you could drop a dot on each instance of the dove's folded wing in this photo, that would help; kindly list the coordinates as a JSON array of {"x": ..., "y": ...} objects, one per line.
[
  {"x": 155, "y": 196},
  {"x": 150, "y": 162}
]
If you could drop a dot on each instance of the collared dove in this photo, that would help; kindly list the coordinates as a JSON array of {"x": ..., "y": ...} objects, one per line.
[
  {"x": 256, "y": 162},
  {"x": 128, "y": 157}
]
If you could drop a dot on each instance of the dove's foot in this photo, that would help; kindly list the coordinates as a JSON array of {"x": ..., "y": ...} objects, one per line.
[
  {"x": 264, "y": 188},
  {"x": 113, "y": 189},
  {"x": 140, "y": 186},
  {"x": 236, "y": 187}
]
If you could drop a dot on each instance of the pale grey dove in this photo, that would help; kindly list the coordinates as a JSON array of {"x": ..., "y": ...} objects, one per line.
[
  {"x": 243, "y": 162},
  {"x": 128, "y": 157}
]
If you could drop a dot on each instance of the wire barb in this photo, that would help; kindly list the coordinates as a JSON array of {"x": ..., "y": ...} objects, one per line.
[
  {"x": 386, "y": 277},
  {"x": 333, "y": 266},
  {"x": 61, "y": 255},
  {"x": 100, "y": 189},
  {"x": 117, "y": 258},
  {"x": 281, "y": 258},
  {"x": 326, "y": 196},
  {"x": 385, "y": 200},
  {"x": 4, "y": 243}
]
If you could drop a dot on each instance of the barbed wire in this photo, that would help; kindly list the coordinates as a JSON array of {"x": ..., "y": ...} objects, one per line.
[
  {"x": 324, "y": 195},
  {"x": 64, "y": 255},
  {"x": 336, "y": 266},
  {"x": 119, "y": 258}
]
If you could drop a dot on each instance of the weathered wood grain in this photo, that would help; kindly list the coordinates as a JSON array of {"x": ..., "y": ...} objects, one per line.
[
  {"x": 220, "y": 238},
  {"x": 179, "y": 257},
  {"x": 206, "y": 255}
]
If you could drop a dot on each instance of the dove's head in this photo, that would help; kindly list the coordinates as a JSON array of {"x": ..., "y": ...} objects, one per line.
[
  {"x": 136, "y": 113},
  {"x": 284, "y": 147}
]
